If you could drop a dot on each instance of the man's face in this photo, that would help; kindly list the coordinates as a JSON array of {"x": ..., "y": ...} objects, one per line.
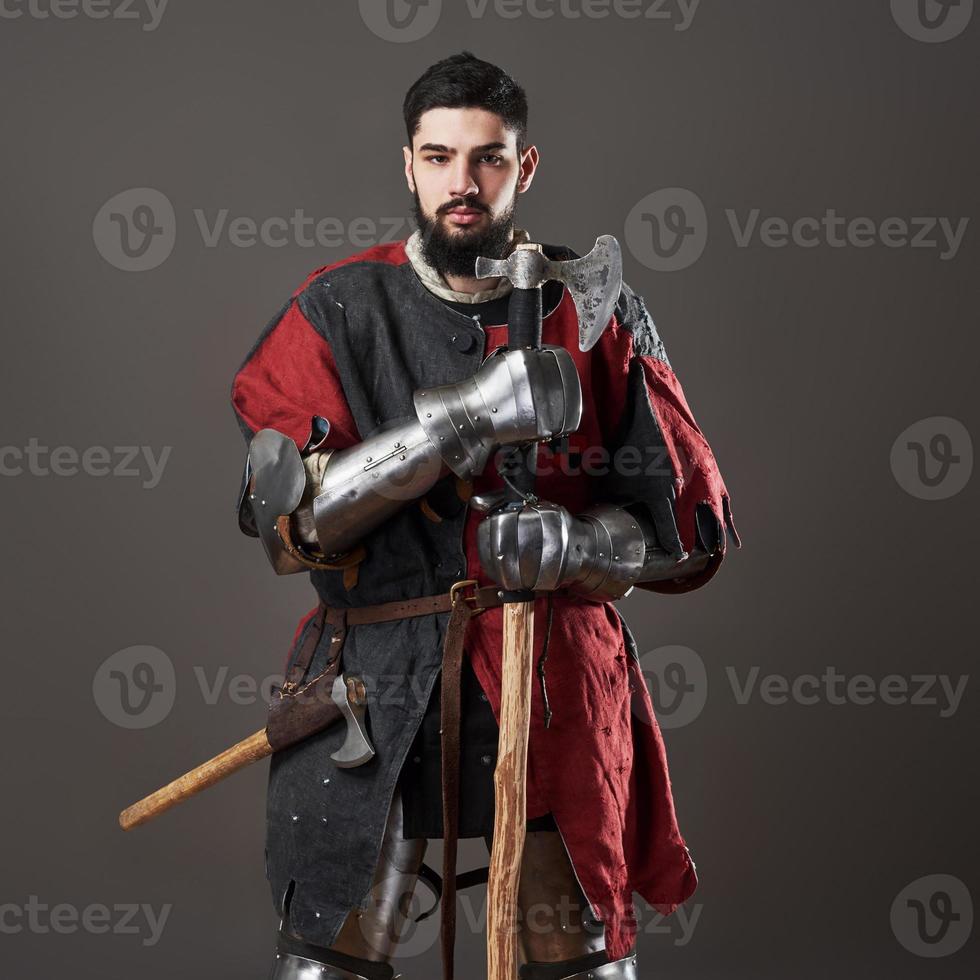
[{"x": 465, "y": 173}]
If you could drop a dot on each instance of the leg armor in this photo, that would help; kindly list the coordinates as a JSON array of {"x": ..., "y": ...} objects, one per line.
[
  {"x": 624, "y": 969},
  {"x": 369, "y": 935},
  {"x": 559, "y": 937},
  {"x": 314, "y": 512}
]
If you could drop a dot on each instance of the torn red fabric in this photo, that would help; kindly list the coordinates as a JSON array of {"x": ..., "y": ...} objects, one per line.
[{"x": 601, "y": 766}]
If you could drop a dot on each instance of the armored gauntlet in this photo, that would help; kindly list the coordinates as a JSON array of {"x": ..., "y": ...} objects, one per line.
[
  {"x": 312, "y": 510},
  {"x": 600, "y": 554}
]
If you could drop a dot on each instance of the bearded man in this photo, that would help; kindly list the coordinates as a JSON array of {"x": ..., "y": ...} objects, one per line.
[{"x": 357, "y": 389}]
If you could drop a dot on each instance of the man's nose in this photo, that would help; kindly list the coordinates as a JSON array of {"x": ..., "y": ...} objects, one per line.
[{"x": 461, "y": 183}]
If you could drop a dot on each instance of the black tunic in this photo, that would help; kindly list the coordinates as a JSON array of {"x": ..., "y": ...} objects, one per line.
[{"x": 421, "y": 776}]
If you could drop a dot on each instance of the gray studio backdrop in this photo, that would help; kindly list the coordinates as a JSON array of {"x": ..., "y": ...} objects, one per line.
[{"x": 794, "y": 185}]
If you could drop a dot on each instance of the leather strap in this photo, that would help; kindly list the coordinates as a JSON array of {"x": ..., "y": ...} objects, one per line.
[
  {"x": 298, "y": 668},
  {"x": 462, "y": 607},
  {"x": 452, "y": 660}
]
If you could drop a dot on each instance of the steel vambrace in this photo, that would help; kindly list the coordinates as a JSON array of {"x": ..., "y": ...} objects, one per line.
[{"x": 310, "y": 508}]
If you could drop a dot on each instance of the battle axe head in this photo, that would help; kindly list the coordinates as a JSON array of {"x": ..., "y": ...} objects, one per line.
[{"x": 594, "y": 280}]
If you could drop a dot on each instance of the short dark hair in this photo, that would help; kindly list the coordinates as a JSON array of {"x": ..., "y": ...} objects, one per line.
[{"x": 463, "y": 81}]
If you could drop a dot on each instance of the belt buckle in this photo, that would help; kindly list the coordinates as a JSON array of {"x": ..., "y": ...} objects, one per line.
[{"x": 458, "y": 587}]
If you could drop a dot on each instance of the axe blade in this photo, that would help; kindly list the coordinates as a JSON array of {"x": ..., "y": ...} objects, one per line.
[{"x": 595, "y": 281}]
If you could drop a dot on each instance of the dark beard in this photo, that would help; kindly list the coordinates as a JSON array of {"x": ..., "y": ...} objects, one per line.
[{"x": 455, "y": 253}]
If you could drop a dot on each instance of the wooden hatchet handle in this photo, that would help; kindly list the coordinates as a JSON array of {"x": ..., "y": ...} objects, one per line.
[{"x": 241, "y": 754}]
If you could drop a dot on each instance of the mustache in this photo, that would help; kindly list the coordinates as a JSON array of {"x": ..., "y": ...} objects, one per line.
[{"x": 461, "y": 202}]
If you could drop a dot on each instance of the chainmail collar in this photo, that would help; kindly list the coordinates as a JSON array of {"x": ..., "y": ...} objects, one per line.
[{"x": 435, "y": 283}]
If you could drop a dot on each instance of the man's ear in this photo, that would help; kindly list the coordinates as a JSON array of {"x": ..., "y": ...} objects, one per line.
[
  {"x": 410, "y": 179},
  {"x": 529, "y": 164}
]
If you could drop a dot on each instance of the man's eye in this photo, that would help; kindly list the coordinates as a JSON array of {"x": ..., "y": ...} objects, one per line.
[
  {"x": 436, "y": 158},
  {"x": 493, "y": 158}
]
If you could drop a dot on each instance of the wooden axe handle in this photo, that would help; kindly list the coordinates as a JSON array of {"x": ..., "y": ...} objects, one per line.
[
  {"x": 510, "y": 788},
  {"x": 241, "y": 754}
]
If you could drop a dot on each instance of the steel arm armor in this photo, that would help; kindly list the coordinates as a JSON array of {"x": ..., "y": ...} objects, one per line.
[{"x": 311, "y": 507}]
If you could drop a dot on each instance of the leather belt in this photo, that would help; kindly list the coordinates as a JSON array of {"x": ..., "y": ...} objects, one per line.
[{"x": 464, "y": 600}]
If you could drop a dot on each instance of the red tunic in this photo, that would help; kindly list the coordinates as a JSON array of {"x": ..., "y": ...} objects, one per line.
[{"x": 600, "y": 767}]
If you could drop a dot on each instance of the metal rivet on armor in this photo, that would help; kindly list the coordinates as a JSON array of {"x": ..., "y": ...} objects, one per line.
[
  {"x": 262, "y": 502},
  {"x": 417, "y": 758},
  {"x": 453, "y": 338},
  {"x": 486, "y": 759},
  {"x": 398, "y": 445},
  {"x": 500, "y": 594},
  {"x": 251, "y": 496},
  {"x": 295, "y": 818},
  {"x": 483, "y": 696},
  {"x": 428, "y": 415},
  {"x": 326, "y": 780},
  {"x": 317, "y": 914},
  {"x": 615, "y": 557},
  {"x": 493, "y": 410},
  {"x": 370, "y": 459},
  {"x": 323, "y": 819}
]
